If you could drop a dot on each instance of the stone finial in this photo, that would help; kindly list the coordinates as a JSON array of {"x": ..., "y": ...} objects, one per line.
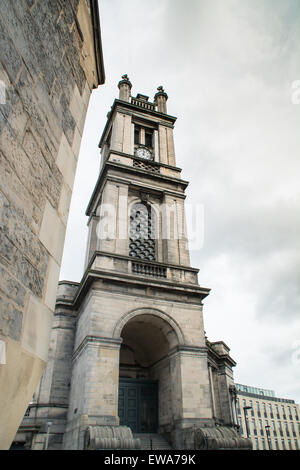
[
  {"x": 124, "y": 86},
  {"x": 160, "y": 99}
]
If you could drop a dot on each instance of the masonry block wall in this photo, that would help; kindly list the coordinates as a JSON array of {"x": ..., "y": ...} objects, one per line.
[{"x": 50, "y": 60}]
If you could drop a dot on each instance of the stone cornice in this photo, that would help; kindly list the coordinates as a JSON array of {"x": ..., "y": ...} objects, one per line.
[
  {"x": 96, "y": 340},
  {"x": 97, "y": 41},
  {"x": 220, "y": 359},
  {"x": 123, "y": 154},
  {"x": 130, "y": 169},
  {"x": 92, "y": 275},
  {"x": 189, "y": 349}
]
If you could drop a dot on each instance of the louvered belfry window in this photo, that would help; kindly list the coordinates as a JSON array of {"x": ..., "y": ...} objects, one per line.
[{"x": 142, "y": 232}]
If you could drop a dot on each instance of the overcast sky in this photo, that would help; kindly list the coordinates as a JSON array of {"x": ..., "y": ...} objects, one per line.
[{"x": 229, "y": 67}]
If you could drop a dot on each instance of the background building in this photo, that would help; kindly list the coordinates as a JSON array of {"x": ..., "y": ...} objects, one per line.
[
  {"x": 51, "y": 60},
  {"x": 271, "y": 423}
]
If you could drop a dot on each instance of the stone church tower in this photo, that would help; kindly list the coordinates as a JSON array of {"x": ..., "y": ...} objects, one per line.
[{"x": 128, "y": 351}]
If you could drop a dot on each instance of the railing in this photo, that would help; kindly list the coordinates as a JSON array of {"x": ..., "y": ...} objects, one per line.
[
  {"x": 149, "y": 269},
  {"x": 143, "y": 104},
  {"x": 146, "y": 166}
]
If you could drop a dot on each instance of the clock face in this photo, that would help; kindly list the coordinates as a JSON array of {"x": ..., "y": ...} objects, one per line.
[{"x": 143, "y": 153}]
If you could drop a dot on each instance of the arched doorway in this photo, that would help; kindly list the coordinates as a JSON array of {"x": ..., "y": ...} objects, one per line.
[{"x": 145, "y": 378}]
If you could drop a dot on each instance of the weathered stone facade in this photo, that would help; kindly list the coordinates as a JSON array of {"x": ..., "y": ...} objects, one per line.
[
  {"x": 128, "y": 346},
  {"x": 51, "y": 60}
]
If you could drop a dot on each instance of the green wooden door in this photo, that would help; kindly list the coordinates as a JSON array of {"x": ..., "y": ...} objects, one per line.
[{"x": 138, "y": 404}]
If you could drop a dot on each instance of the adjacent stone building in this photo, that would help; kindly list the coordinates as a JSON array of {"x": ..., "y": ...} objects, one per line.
[
  {"x": 128, "y": 353},
  {"x": 51, "y": 59}
]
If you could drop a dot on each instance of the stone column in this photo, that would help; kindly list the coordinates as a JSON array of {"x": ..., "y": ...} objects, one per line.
[
  {"x": 170, "y": 146},
  {"x": 173, "y": 232},
  {"x": 124, "y": 86},
  {"x": 122, "y": 217},
  {"x": 156, "y": 146},
  {"x": 232, "y": 390},
  {"x": 127, "y": 137},
  {"x": 225, "y": 380},
  {"x": 107, "y": 226},
  {"x": 212, "y": 390},
  {"x": 92, "y": 238},
  {"x": 117, "y": 133},
  {"x": 190, "y": 387},
  {"x": 94, "y": 388},
  {"x": 160, "y": 99},
  {"x": 163, "y": 144}
]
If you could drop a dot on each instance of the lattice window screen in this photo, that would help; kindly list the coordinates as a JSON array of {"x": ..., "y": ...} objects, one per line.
[{"x": 142, "y": 232}]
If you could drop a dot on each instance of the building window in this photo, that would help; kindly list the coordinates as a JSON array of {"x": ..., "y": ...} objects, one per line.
[
  {"x": 266, "y": 423},
  {"x": 283, "y": 412},
  {"x": 257, "y": 409},
  {"x": 148, "y": 138},
  {"x": 287, "y": 431},
  {"x": 143, "y": 136},
  {"x": 293, "y": 429},
  {"x": 261, "y": 427},
  {"x": 240, "y": 426},
  {"x": 142, "y": 232},
  {"x": 254, "y": 427},
  {"x": 136, "y": 135},
  {"x": 264, "y": 410}
]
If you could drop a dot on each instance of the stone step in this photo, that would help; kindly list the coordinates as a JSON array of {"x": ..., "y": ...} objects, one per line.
[{"x": 157, "y": 440}]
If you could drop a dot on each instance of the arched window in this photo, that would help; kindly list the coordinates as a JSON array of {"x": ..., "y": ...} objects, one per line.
[{"x": 142, "y": 232}]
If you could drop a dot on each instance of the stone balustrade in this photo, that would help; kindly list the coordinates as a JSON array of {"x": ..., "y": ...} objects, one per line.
[{"x": 127, "y": 265}]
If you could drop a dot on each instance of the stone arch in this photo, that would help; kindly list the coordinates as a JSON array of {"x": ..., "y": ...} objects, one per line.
[
  {"x": 155, "y": 207},
  {"x": 136, "y": 200},
  {"x": 148, "y": 311},
  {"x": 147, "y": 368}
]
